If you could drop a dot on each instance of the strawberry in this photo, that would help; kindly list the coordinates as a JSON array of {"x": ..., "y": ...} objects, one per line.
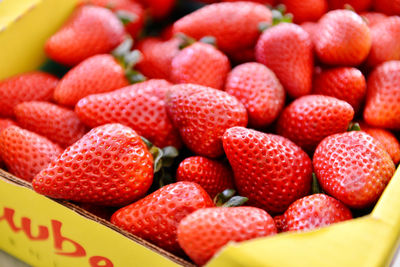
[
  {"x": 100, "y": 211},
  {"x": 357, "y": 5},
  {"x": 342, "y": 38},
  {"x": 388, "y": 7},
  {"x": 309, "y": 119},
  {"x": 306, "y": 10},
  {"x": 234, "y": 25},
  {"x": 140, "y": 106},
  {"x": 90, "y": 30},
  {"x": 212, "y": 175},
  {"x": 386, "y": 138},
  {"x": 201, "y": 64},
  {"x": 202, "y": 233},
  {"x": 26, "y": 153},
  {"x": 56, "y": 123},
  {"x": 97, "y": 74},
  {"x": 373, "y": 17},
  {"x": 265, "y": 2},
  {"x": 156, "y": 217},
  {"x": 385, "y": 41},
  {"x": 159, "y": 8},
  {"x": 157, "y": 57},
  {"x": 108, "y": 166},
  {"x": 259, "y": 90},
  {"x": 280, "y": 223},
  {"x": 310, "y": 27},
  {"x": 315, "y": 211},
  {"x": 242, "y": 56},
  {"x": 25, "y": 87},
  {"x": 202, "y": 115},
  {"x": 127, "y": 9},
  {"x": 269, "y": 170},
  {"x": 353, "y": 167},
  {"x": 344, "y": 83},
  {"x": 287, "y": 50},
  {"x": 5, "y": 123},
  {"x": 383, "y": 96}
]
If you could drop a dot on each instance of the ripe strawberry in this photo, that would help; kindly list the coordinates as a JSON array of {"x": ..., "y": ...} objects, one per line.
[
  {"x": 309, "y": 119},
  {"x": 385, "y": 41},
  {"x": 357, "y": 5},
  {"x": 201, "y": 64},
  {"x": 234, "y": 25},
  {"x": 91, "y": 30},
  {"x": 26, "y": 153},
  {"x": 353, "y": 167},
  {"x": 306, "y": 10},
  {"x": 342, "y": 38},
  {"x": 56, "y": 123},
  {"x": 268, "y": 169},
  {"x": 97, "y": 74},
  {"x": 159, "y": 8},
  {"x": 108, "y": 166},
  {"x": 133, "y": 10},
  {"x": 386, "y": 138},
  {"x": 202, "y": 115},
  {"x": 140, "y": 106},
  {"x": 242, "y": 56},
  {"x": 156, "y": 217},
  {"x": 344, "y": 83},
  {"x": 373, "y": 17},
  {"x": 310, "y": 28},
  {"x": 315, "y": 211},
  {"x": 212, "y": 175},
  {"x": 202, "y": 233},
  {"x": 157, "y": 57},
  {"x": 25, "y": 87},
  {"x": 383, "y": 96},
  {"x": 265, "y": 2},
  {"x": 259, "y": 90},
  {"x": 5, "y": 123},
  {"x": 288, "y": 51},
  {"x": 280, "y": 223},
  {"x": 389, "y": 7}
]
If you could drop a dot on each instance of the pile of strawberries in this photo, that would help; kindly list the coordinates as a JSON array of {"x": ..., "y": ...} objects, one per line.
[{"x": 299, "y": 118}]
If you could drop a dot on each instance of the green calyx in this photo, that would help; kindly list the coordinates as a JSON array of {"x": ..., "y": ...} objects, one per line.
[
  {"x": 354, "y": 126},
  {"x": 278, "y": 16},
  {"x": 227, "y": 198},
  {"x": 316, "y": 188},
  {"x": 126, "y": 17},
  {"x": 128, "y": 59},
  {"x": 186, "y": 40}
]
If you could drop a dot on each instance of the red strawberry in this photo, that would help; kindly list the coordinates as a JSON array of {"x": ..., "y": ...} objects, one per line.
[
  {"x": 202, "y": 233},
  {"x": 389, "y": 7},
  {"x": 309, "y": 119},
  {"x": 58, "y": 124},
  {"x": 386, "y": 138},
  {"x": 268, "y": 169},
  {"x": 156, "y": 217},
  {"x": 212, "y": 175},
  {"x": 100, "y": 211},
  {"x": 265, "y": 2},
  {"x": 259, "y": 90},
  {"x": 134, "y": 11},
  {"x": 91, "y": 30},
  {"x": 159, "y": 8},
  {"x": 234, "y": 25},
  {"x": 358, "y": 5},
  {"x": 26, "y": 153},
  {"x": 344, "y": 83},
  {"x": 306, "y": 10},
  {"x": 280, "y": 223},
  {"x": 385, "y": 41},
  {"x": 140, "y": 106},
  {"x": 310, "y": 28},
  {"x": 157, "y": 57},
  {"x": 108, "y": 166},
  {"x": 342, "y": 38},
  {"x": 97, "y": 74},
  {"x": 5, "y": 123},
  {"x": 288, "y": 51},
  {"x": 353, "y": 167},
  {"x": 202, "y": 115},
  {"x": 373, "y": 17},
  {"x": 382, "y": 107},
  {"x": 315, "y": 211},
  {"x": 25, "y": 87},
  {"x": 243, "y": 55},
  {"x": 201, "y": 64}
]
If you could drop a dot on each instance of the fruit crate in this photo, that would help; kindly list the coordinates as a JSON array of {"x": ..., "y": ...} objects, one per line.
[{"x": 46, "y": 232}]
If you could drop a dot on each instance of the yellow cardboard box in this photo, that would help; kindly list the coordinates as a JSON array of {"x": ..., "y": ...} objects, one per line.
[{"x": 46, "y": 232}]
